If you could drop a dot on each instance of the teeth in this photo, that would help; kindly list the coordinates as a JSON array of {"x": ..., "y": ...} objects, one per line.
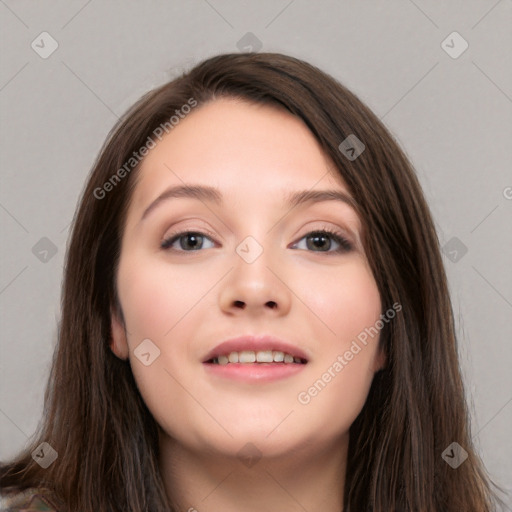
[
  {"x": 247, "y": 356},
  {"x": 261, "y": 356},
  {"x": 278, "y": 357},
  {"x": 264, "y": 356}
]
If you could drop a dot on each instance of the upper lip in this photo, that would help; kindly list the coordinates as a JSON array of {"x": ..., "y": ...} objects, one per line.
[{"x": 255, "y": 343}]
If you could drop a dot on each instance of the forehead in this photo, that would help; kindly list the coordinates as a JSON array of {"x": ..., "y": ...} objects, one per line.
[{"x": 253, "y": 153}]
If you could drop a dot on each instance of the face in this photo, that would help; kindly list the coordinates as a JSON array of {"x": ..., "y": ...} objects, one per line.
[{"x": 198, "y": 270}]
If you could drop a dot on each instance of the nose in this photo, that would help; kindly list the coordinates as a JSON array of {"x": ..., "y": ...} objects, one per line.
[{"x": 257, "y": 289}]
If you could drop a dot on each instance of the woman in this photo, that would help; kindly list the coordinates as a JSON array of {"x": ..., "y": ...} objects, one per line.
[{"x": 255, "y": 314}]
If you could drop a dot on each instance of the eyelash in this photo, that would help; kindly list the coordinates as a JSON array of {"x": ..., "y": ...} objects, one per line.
[{"x": 345, "y": 245}]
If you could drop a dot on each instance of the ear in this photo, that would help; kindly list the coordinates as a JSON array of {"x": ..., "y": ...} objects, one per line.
[{"x": 118, "y": 341}]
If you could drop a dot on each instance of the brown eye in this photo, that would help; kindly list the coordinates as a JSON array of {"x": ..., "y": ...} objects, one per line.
[
  {"x": 188, "y": 241},
  {"x": 322, "y": 241}
]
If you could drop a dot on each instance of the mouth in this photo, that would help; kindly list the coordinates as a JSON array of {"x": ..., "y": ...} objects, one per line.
[{"x": 261, "y": 359}]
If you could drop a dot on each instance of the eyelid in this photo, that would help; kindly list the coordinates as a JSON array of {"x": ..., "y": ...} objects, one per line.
[
  {"x": 198, "y": 227},
  {"x": 330, "y": 227},
  {"x": 177, "y": 234},
  {"x": 336, "y": 234}
]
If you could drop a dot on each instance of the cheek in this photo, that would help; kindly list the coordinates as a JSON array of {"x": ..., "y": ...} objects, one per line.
[
  {"x": 334, "y": 399},
  {"x": 155, "y": 296},
  {"x": 346, "y": 359},
  {"x": 153, "y": 309},
  {"x": 158, "y": 304},
  {"x": 342, "y": 301}
]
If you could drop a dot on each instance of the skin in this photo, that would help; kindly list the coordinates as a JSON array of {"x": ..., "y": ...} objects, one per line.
[{"x": 187, "y": 302}]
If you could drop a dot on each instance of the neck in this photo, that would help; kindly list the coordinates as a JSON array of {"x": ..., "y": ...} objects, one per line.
[{"x": 305, "y": 480}]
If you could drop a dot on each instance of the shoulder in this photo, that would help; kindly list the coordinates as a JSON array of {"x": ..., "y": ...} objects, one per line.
[{"x": 27, "y": 501}]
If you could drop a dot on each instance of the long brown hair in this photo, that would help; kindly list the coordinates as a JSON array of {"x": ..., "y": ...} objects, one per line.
[{"x": 94, "y": 416}]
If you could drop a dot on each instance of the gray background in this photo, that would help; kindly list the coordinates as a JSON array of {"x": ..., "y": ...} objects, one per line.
[{"x": 451, "y": 115}]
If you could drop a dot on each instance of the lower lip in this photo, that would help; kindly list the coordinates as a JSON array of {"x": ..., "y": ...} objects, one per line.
[{"x": 254, "y": 372}]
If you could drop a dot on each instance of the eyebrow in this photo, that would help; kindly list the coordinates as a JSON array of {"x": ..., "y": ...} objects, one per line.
[{"x": 213, "y": 195}]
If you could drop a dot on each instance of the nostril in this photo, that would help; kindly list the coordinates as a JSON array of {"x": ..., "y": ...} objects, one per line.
[
  {"x": 239, "y": 304},
  {"x": 272, "y": 304}
]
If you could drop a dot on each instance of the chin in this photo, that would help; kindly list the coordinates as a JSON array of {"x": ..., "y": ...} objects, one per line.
[{"x": 249, "y": 446}]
